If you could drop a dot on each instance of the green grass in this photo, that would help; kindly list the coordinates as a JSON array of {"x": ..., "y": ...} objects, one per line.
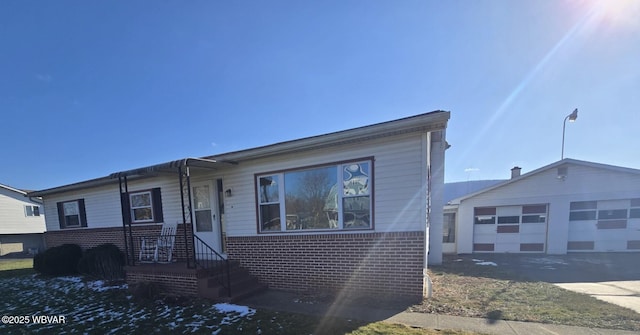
[
  {"x": 16, "y": 267},
  {"x": 466, "y": 289}
]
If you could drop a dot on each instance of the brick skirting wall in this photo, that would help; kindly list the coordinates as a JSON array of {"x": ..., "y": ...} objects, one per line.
[
  {"x": 91, "y": 237},
  {"x": 373, "y": 263},
  {"x": 171, "y": 280}
]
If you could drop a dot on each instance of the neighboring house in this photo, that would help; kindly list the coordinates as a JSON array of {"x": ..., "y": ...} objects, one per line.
[
  {"x": 22, "y": 222},
  {"x": 567, "y": 206},
  {"x": 343, "y": 211},
  {"x": 452, "y": 191}
]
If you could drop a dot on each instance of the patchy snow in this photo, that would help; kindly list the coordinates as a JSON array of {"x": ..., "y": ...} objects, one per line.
[
  {"x": 487, "y": 263},
  {"x": 89, "y": 308},
  {"x": 547, "y": 261},
  {"x": 482, "y": 262}
]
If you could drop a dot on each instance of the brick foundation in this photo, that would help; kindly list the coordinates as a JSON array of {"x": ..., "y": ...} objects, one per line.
[
  {"x": 89, "y": 238},
  {"x": 174, "y": 279},
  {"x": 378, "y": 263}
]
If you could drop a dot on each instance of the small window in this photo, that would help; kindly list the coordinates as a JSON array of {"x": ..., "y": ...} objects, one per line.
[
  {"x": 145, "y": 206},
  {"x": 581, "y": 205},
  {"x": 582, "y": 215},
  {"x": 583, "y": 210},
  {"x": 634, "y": 213},
  {"x": 534, "y": 209},
  {"x": 141, "y": 207},
  {"x": 537, "y": 218},
  {"x": 449, "y": 228},
  {"x": 508, "y": 219},
  {"x": 611, "y": 214},
  {"x": 484, "y": 215},
  {"x": 72, "y": 214},
  {"x": 32, "y": 210}
]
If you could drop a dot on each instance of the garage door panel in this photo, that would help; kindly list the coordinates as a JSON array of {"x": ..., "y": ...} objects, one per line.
[
  {"x": 610, "y": 245},
  {"x": 533, "y": 238},
  {"x": 528, "y": 228},
  {"x": 507, "y": 247},
  {"x": 508, "y": 238}
]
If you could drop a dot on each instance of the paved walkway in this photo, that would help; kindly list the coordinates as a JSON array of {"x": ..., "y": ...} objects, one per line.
[
  {"x": 622, "y": 293},
  {"x": 395, "y": 313}
]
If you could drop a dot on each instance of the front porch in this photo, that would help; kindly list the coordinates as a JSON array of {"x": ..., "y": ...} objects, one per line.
[{"x": 184, "y": 258}]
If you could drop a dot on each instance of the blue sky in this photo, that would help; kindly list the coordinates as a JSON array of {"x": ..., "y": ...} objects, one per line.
[{"x": 89, "y": 88}]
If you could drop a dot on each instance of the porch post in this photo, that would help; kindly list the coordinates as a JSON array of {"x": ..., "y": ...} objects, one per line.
[
  {"x": 184, "y": 217},
  {"x": 191, "y": 215},
  {"x": 126, "y": 221}
]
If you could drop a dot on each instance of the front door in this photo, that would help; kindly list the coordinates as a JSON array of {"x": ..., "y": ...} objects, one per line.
[{"x": 205, "y": 214}]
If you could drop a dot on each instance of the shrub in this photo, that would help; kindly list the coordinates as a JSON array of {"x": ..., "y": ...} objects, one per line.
[
  {"x": 105, "y": 261},
  {"x": 58, "y": 261}
]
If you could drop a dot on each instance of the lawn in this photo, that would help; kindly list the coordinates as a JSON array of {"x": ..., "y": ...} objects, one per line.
[
  {"x": 95, "y": 307},
  {"x": 464, "y": 287}
]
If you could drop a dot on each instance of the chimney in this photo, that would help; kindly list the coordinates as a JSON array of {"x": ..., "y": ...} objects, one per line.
[{"x": 515, "y": 172}]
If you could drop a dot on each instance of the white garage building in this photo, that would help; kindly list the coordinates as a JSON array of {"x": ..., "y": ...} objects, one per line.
[{"x": 567, "y": 206}]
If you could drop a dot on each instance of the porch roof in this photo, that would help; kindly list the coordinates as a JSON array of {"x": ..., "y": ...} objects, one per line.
[
  {"x": 133, "y": 173},
  {"x": 168, "y": 167}
]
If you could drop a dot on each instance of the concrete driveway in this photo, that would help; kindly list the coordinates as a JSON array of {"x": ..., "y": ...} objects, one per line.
[
  {"x": 611, "y": 277},
  {"x": 624, "y": 293}
]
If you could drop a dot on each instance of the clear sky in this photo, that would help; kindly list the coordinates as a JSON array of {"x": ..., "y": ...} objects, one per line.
[{"x": 88, "y": 88}]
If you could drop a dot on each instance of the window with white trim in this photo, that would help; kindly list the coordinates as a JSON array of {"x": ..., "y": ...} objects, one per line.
[
  {"x": 141, "y": 207},
  {"x": 328, "y": 197},
  {"x": 145, "y": 206},
  {"x": 72, "y": 214},
  {"x": 32, "y": 210}
]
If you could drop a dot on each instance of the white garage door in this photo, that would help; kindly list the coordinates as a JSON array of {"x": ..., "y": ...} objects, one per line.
[
  {"x": 604, "y": 225},
  {"x": 510, "y": 228}
]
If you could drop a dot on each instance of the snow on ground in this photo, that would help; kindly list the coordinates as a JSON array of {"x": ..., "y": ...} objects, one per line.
[
  {"x": 482, "y": 262},
  {"x": 98, "y": 307}
]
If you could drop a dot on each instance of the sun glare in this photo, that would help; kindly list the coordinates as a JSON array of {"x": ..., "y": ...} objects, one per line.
[{"x": 617, "y": 14}]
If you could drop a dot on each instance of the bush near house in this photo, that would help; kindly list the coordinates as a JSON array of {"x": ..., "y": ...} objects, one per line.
[
  {"x": 58, "y": 261},
  {"x": 105, "y": 261}
]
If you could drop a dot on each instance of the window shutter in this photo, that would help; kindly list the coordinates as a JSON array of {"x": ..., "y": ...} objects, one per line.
[
  {"x": 126, "y": 207},
  {"x": 157, "y": 205},
  {"x": 83, "y": 213},
  {"x": 61, "y": 215}
]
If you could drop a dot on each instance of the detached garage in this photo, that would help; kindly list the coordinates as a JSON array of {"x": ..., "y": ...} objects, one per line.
[{"x": 567, "y": 206}]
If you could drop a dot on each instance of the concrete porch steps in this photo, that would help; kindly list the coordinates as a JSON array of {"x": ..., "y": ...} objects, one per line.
[{"x": 243, "y": 284}]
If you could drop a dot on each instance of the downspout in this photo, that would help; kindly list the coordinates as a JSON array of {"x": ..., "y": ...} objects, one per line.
[{"x": 427, "y": 285}]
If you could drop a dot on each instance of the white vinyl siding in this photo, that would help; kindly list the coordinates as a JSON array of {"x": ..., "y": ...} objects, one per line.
[
  {"x": 13, "y": 214},
  {"x": 582, "y": 183},
  {"x": 397, "y": 172},
  {"x": 399, "y": 200}
]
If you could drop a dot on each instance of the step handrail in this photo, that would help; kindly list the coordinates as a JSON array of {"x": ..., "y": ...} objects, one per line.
[{"x": 211, "y": 260}]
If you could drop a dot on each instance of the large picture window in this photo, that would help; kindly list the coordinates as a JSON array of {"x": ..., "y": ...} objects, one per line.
[{"x": 336, "y": 196}]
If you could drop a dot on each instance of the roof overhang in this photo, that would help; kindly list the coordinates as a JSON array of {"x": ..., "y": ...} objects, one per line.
[
  {"x": 172, "y": 166},
  {"x": 149, "y": 171},
  {"x": 427, "y": 122}
]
